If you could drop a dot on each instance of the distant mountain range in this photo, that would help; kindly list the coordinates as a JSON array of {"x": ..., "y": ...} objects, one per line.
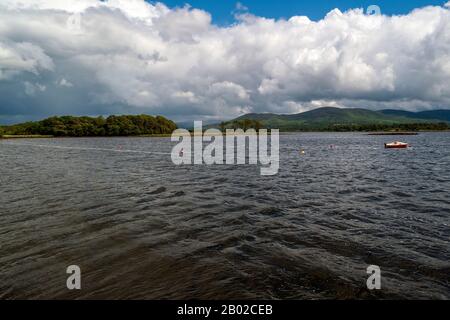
[
  {"x": 337, "y": 119},
  {"x": 436, "y": 115}
]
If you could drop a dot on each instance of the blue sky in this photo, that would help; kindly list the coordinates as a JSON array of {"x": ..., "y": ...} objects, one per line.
[{"x": 222, "y": 10}]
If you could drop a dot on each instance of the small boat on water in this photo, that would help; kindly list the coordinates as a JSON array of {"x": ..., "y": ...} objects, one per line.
[{"x": 396, "y": 145}]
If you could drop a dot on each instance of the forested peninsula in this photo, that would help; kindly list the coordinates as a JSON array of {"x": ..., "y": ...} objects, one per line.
[{"x": 69, "y": 126}]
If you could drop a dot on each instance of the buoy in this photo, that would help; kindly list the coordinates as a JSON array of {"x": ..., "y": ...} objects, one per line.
[{"x": 302, "y": 152}]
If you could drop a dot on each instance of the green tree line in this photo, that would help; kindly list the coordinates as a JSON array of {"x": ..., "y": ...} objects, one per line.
[
  {"x": 431, "y": 126},
  {"x": 324, "y": 127},
  {"x": 69, "y": 126}
]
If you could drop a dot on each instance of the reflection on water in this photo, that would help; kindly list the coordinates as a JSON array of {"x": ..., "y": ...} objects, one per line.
[{"x": 140, "y": 227}]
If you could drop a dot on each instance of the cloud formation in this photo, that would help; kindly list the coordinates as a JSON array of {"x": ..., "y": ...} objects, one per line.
[{"x": 128, "y": 56}]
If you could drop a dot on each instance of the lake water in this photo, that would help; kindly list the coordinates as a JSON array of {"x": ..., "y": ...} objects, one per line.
[{"x": 140, "y": 227}]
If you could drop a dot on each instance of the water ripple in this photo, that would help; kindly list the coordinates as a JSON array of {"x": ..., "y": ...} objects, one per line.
[{"x": 141, "y": 227}]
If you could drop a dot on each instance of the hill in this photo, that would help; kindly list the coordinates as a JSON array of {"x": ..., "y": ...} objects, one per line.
[
  {"x": 337, "y": 119},
  {"x": 437, "y": 115}
]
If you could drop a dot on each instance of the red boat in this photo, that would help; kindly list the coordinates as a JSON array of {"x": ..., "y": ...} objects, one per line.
[{"x": 396, "y": 145}]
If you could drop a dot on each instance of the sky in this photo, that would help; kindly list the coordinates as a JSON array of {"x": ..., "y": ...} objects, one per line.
[
  {"x": 214, "y": 60},
  {"x": 222, "y": 11}
]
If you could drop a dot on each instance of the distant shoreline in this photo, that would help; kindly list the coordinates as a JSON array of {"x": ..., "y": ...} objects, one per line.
[
  {"x": 27, "y": 136},
  {"x": 393, "y": 134},
  {"x": 37, "y": 136},
  {"x": 13, "y": 137}
]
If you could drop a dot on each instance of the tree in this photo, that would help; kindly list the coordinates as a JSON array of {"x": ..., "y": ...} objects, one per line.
[{"x": 87, "y": 126}]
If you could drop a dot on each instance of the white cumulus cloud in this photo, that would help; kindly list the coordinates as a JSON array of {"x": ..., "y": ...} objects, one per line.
[{"x": 133, "y": 56}]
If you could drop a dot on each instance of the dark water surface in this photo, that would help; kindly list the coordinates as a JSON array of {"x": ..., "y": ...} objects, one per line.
[{"x": 140, "y": 227}]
